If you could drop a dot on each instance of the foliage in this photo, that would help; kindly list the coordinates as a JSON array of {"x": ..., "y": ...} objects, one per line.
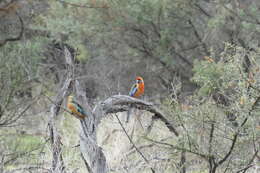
[
  {"x": 16, "y": 74},
  {"x": 226, "y": 73},
  {"x": 18, "y": 70},
  {"x": 20, "y": 148},
  {"x": 207, "y": 124}
]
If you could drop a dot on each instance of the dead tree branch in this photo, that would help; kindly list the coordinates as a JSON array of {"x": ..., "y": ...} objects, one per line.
[{"x": 120, "y": 103}]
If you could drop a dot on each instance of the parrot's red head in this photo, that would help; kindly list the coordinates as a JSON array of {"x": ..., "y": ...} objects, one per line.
[{"x": 139, "y": 79}]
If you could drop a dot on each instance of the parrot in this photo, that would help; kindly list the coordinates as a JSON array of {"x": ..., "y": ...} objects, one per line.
[
  {"x": 136, "y": 91},
  {"x": 75, "y": 108}
]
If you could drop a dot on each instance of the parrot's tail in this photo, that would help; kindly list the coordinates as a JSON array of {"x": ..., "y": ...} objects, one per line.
[{"x": 128, "y": 114}]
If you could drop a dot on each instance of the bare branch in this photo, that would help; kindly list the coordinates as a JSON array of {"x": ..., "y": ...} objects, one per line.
[
  {"x": 120, "y": 103},
  {"x": 30, "y": 169},
  {"x": 82, "y": 6},
  {"x": 235, "y": 137},
  {"x": 199, "y": 38},
  {"x": 180, "y": 148},
  {"x": 211, "y": 137},
  {"x": 86, "y": 163},
  {"x": 230, "y": 150},
  {"x": 249, "y": 165},
  {"x": 203, "y": 11}
]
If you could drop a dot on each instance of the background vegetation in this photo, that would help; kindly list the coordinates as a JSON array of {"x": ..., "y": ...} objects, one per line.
[{"x": 199, "y": 59}]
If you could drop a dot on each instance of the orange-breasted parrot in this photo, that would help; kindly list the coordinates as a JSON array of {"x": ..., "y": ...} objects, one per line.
[
  {"x": 75, "y": 108},
  {"x": 136, "y": 91}
]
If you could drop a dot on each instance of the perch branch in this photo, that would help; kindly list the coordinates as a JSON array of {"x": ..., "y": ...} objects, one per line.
[{"x": 120, "y": 103}]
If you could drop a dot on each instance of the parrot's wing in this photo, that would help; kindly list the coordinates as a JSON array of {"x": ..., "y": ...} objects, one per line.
[
  {"x": 79, "y": 108},
  {"x": 133, "y": 90}
]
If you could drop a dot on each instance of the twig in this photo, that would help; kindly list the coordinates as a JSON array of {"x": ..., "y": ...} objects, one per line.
[
  {"x": 86, "y": 163},
  {"x": 198, "y": 37},
  {"x": 81, "y": 6},
  {"x": 202, "y": 10},
  {"x": 66, "y": 110},
  {"x": 145, "y": 146},
  {"x": 236, "y": 135},
  {"x": 30, "y": 168},
  {"x": 249, "y": 164},
  {"x": 179, "y": 148},
  {"x": 145, "y": 159}
]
